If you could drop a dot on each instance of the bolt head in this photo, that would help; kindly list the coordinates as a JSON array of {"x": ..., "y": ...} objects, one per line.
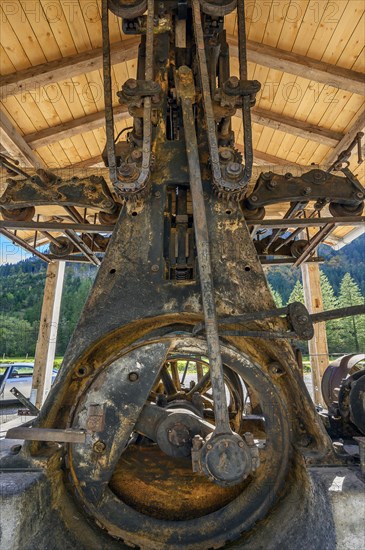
[
  {"x": 209, "y": 446},
  {"x": 234, "y": 168},
  {"x": 133, "y": 376},
  {"x": 253, "y": 198},
  {"x": 99, "y": 447},
  {"x": 131, "y": 83},
  {"x": 233, "y": 82},
  {"x": 226, "y": 154},
  {"x": 360, "y": 195},
  {"x": 155, "y": 268}
]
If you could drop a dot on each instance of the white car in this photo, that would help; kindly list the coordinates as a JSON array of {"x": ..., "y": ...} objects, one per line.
[{"x": 18, "y": 375}]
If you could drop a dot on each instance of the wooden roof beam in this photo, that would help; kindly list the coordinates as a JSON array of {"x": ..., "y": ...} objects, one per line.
[
  {"x": 259, "y": 116},
  {"x": 306, "y": 67},
  {"x": 16, "y": 146},
  {"x": 73, "y": 127},
  {"x": 65, "y": 68},
  {"x": 358, "y": 126},
  {"x": 296, "y": 127},
  {"x": 289, "y": 62},
  {"x": 264, "y": 159}
]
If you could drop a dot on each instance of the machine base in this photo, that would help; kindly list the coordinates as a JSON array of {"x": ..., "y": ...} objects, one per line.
[{"x": 329, "y": 516}]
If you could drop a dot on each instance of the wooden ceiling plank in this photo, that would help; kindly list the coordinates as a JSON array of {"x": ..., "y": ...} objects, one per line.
[
  {"x": 65, "y": 68},
  {"x": 16, "y": 145},
  {"x": 358, "y": 126},
  {"x": 293, "y": 63}
]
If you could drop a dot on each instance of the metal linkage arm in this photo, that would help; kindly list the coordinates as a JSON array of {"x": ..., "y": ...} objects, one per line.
[{"x": 186, "y": 93}]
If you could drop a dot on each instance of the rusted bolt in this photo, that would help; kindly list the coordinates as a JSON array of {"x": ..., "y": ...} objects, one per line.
[
  {"x": 133, "y": 376},
  {"x": 234, "y": 169},
  {"x": 107, "y": 203},
  {"x": 253, "y": 198},
  {"x": 307, "y": 190},
  {"x": 99, "y": 447},
  {"x": 226, "y": 154},
  {"x": 272, "y": 184},
  {"x": 233, "y": 82},
  {"x": 155, "y": 268},
  {"x": 131, "y": 83},
  {"x": 136, "y": 154},
  {"x": 241, "y": 444},
  {"x": 266, "y": 176}
]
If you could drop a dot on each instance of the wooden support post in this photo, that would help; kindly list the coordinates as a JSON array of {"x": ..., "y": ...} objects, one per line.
[
  {"x": 47, "y": 336},
  {"x": 318, "y": 348}
]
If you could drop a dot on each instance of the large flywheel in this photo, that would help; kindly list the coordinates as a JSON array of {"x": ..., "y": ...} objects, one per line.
[{"x": 148, "y": 480}]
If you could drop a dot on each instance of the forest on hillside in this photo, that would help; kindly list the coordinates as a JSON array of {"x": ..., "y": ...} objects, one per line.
[{"x": 22, "y": 284}]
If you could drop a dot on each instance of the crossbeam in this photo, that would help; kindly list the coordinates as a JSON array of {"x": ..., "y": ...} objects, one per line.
[
  {"x": 262, "y": 54},
  {"x": 300, "y": 65},
  {"x": 15, "y": 145},
  {"x": 65, "y": 68},
  {"x": 259, "y": 116},
  {"x": 352, "y": 221},
  {"x": 358, "y": 126},
  {"x": 73, "y": 127}
]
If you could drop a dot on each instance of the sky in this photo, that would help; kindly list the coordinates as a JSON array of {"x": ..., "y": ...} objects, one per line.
[{"x": 11, "y": 253}]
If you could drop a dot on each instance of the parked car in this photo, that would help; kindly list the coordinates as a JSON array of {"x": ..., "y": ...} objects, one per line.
[{"x": 18, "y": 375}]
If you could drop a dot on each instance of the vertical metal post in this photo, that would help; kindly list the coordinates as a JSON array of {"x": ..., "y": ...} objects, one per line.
[
  {"x": 318, "y": 348},
  {"x": 47, "y": 336}
]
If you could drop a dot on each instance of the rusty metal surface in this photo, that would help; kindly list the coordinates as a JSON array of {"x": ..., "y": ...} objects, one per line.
[
  {"x": 172, "y": 460},
  {"x": 33, "y": 191},
  {"x": 335, "y": 373}
]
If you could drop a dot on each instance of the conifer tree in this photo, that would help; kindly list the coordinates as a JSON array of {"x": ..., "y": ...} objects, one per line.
[
  {"x": 330, "y": 302},
  {"x": 297, "y": 294},
  {"x": 277, "y": 297},
  {"x": 352, "y": 328}
]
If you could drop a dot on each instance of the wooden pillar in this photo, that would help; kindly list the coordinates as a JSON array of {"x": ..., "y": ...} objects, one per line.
[
  {"x": 47, "y": 336},
  {"x": 318, "y": 348}
]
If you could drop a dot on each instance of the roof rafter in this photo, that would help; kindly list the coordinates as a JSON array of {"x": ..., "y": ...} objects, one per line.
[
  {"x": 289, "y": 62},
  {"x": 73, "y": 127},
  {"x": 296, "y": 127},
  {"x": 259, "y": 116},
  {"x": 15, "y": 145},
  {"x": 65, "y": 68},
  {"x": 300, "y": 65},
  {"x": 358, "y": 126}
]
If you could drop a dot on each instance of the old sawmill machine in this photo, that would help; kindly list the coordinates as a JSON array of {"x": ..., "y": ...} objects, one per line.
[{"x": 179, "y": 418}]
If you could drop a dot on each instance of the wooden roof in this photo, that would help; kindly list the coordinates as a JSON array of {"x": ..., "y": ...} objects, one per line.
[{"x": 307, "y": 54}]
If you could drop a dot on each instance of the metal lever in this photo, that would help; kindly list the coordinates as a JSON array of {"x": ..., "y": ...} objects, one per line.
[{"x": 186, "y": 92}]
